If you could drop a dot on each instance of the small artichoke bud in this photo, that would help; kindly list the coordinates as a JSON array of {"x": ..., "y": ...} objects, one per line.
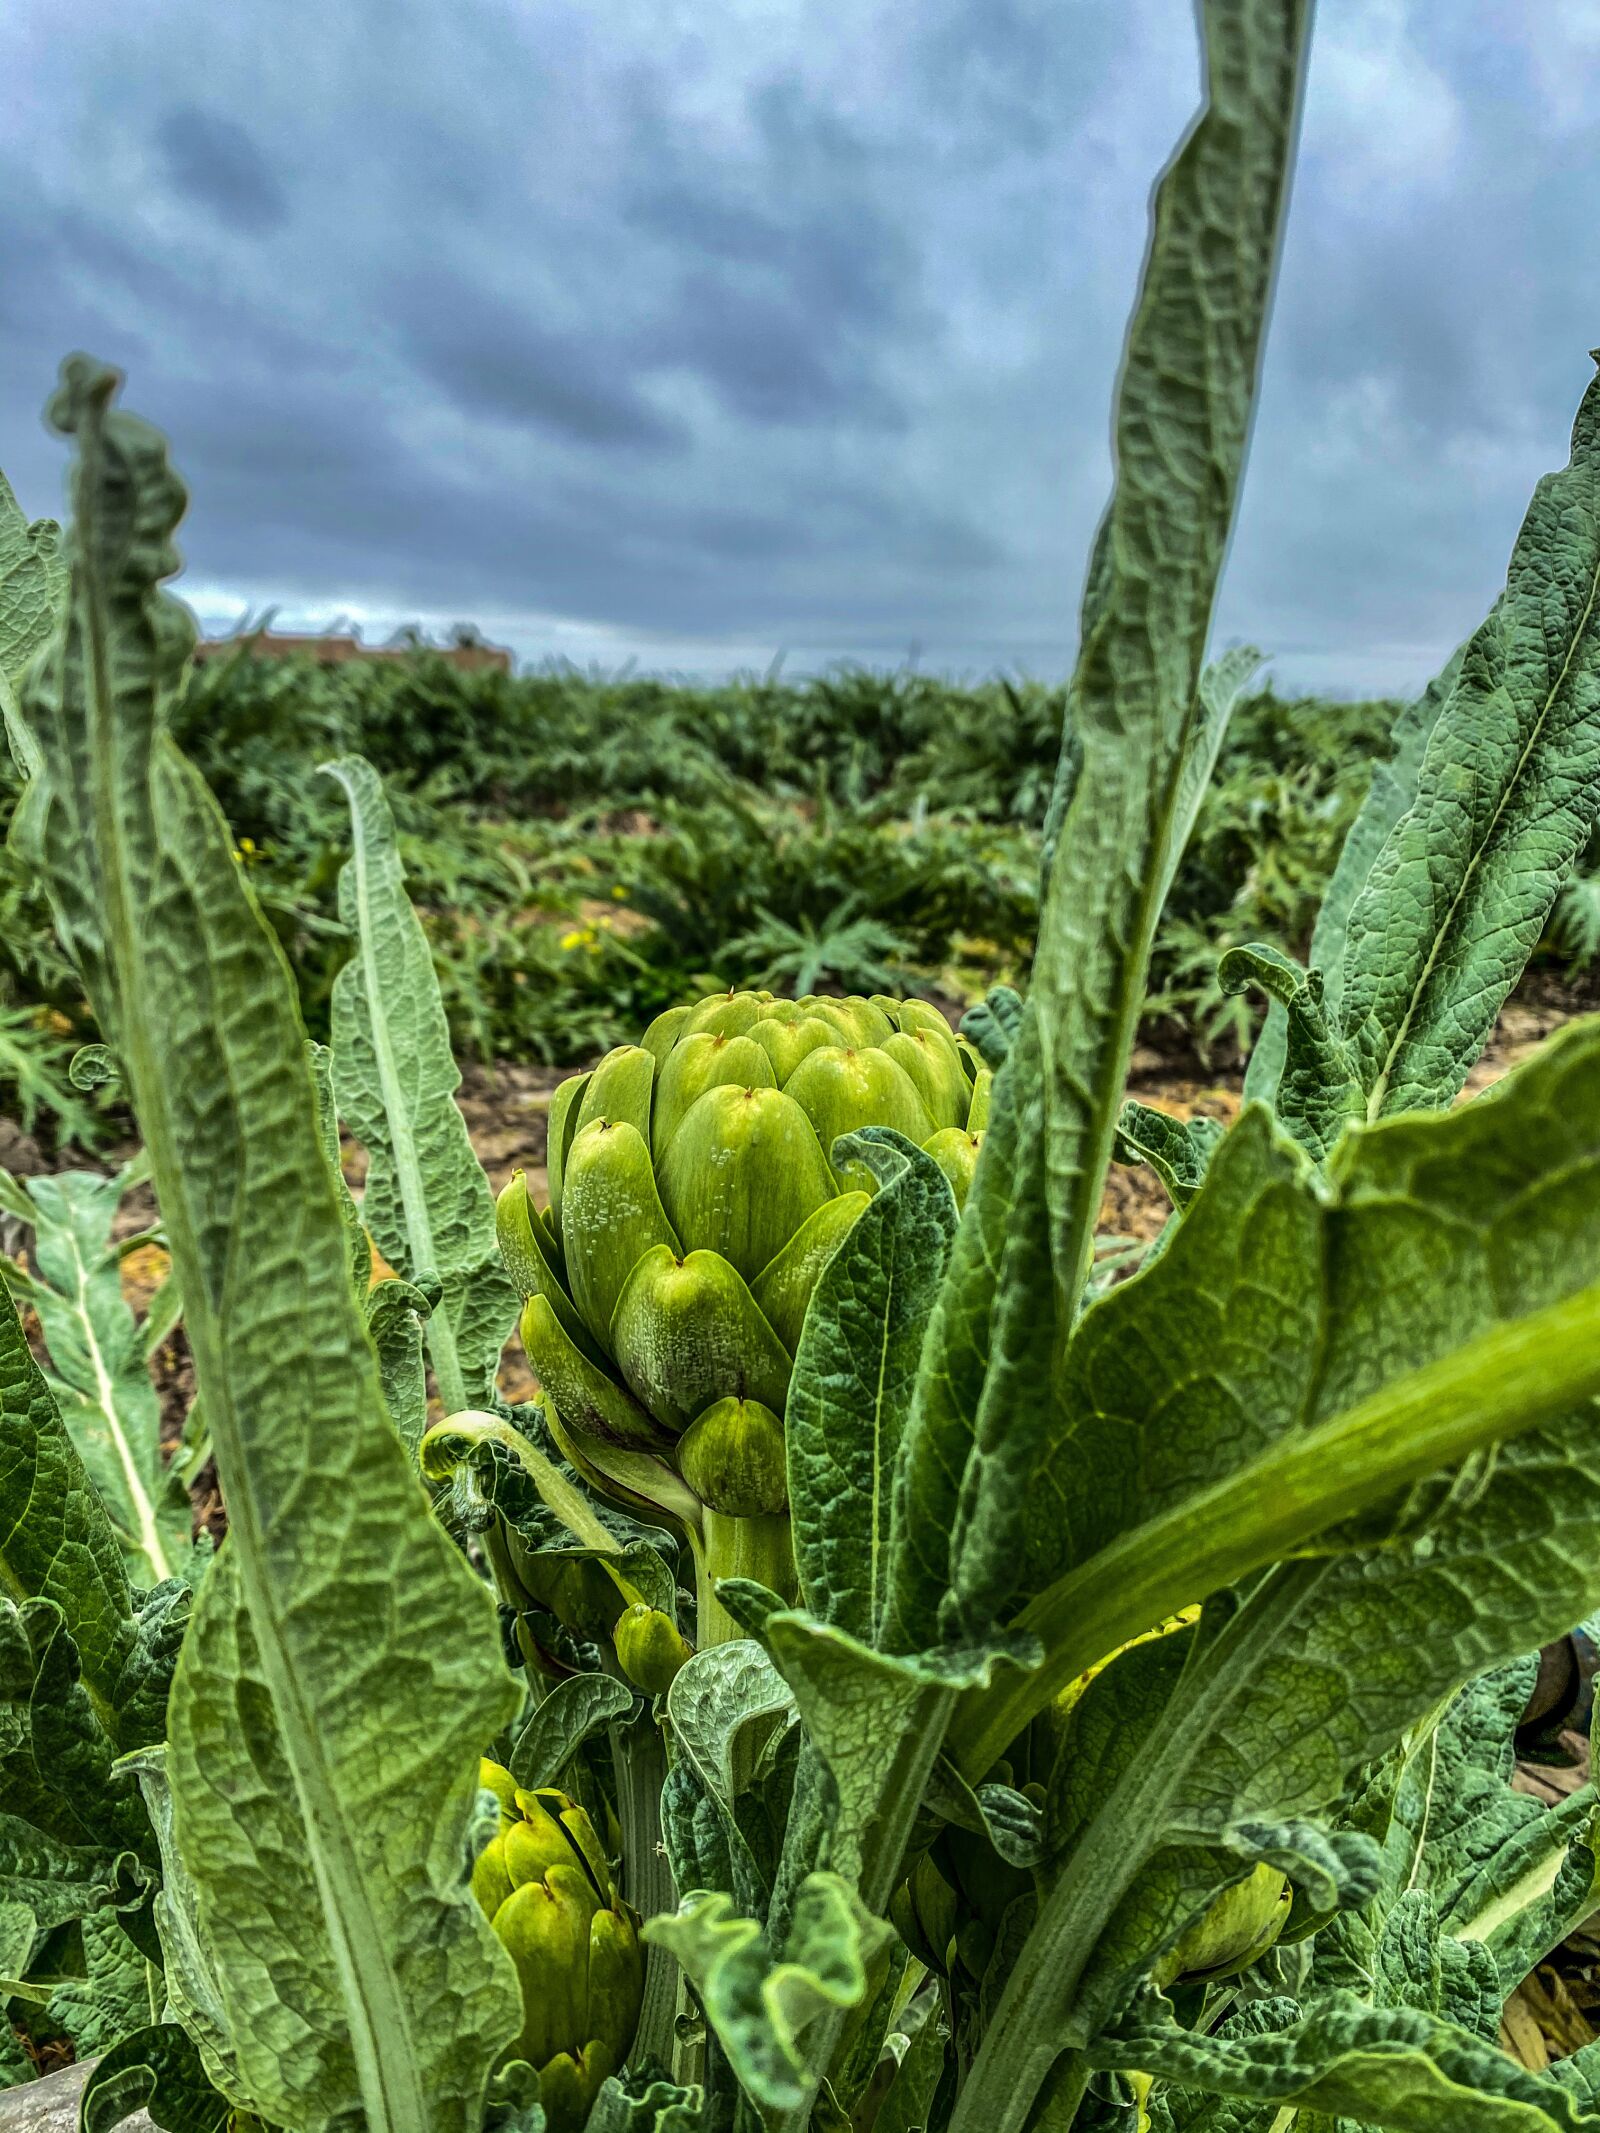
[
  {"x": 1234, "y": 1932},
  {"x": 555, "y": 1907},
  {"x": 649, "y": 1649},
  {"x": 732, "y": 1457}
]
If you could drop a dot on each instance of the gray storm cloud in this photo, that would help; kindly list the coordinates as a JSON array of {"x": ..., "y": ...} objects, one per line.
[{"x": 698, "y": 333}]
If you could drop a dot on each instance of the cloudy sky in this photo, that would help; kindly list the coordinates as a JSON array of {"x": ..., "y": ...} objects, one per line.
[{"x": 702, "y": 330}]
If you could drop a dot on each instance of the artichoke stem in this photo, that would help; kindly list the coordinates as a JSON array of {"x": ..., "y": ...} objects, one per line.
[
  {"x": 639, "y": 1760},
  {"x": 758, "y": 1548}
]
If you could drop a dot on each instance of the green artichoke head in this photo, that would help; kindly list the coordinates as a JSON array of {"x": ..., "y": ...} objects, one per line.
[
  {"x": 695, "y": 1199},
  {"x": 1235, "y": 1931},
  {"x": 547, "y": 1888}
]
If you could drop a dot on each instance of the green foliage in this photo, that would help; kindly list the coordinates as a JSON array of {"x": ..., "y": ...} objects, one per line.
[{"x": 1148, "y": 1652}]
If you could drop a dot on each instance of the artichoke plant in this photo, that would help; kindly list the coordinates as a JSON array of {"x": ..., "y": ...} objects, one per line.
[
  {"x": 547, "y": 1888},
  {"x": 695, "y": 1197}
]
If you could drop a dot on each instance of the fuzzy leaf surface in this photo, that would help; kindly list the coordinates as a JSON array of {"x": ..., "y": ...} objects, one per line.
[
  {"x": 427, "y": 1202},
  {"x": 342, "y": 1666}
]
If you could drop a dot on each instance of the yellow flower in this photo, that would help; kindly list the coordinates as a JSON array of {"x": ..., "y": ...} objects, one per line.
[
  {"x": 572, "y": 940},
  {"x": 619, "y": 893}
]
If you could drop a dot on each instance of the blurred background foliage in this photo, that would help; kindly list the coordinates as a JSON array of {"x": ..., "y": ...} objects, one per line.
[{"x": 585, "y": 849}]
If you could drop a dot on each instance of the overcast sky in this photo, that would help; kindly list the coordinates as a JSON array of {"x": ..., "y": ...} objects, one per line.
[{"x": 701, "y": 330}]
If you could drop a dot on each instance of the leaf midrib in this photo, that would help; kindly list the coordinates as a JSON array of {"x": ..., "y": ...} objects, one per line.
[
  {"x": 438, "y": 1332},
  {"x": 1380, "y": 1086},
  {"x": 386, "y": 2063}
]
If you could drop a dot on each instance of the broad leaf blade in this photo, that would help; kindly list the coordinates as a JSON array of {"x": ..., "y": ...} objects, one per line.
[
  {"x": 1392, "y": 791},
  {"x": 56, "y": 1542},
  {"x": 342, "y": 1667},
  {"x": 427, "y": 1201},
  {"x": 102, "y": 1385},
  {"x": 1457, "y": 898},
  {"x": 32, "y": 593},
  {"x": 1182, "y": 420},
  {"x": 1279, "y": 1308},
  {"x": 854, "y": 1372}
]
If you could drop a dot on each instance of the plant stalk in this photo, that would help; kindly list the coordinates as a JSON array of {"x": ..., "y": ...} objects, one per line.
[
  {"x": 1034, "y": 2022},
  {"x": 639, "y": 1761},
  {"x": 758, "y": 1548}
]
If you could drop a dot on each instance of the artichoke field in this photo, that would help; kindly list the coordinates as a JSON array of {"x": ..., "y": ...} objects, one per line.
[{"x": 695, "y": 1200}]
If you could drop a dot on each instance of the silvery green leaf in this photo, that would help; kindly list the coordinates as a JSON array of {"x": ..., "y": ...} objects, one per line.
[
  {"x": 1284, "y": 1303},
  {"x": 558, "y": 1727},
  {"x": 1392, "y": 791},
  {"x": 158, "y": 2070},
  {"x": 976, "y": 1418},
  {"x": 113, "y": 1997},
  {"x": 321, "y": 1059},
  {"x": 330, "y": 1704},
  {"x": 854, "y": 1371},
  {"x": 760, "y": 2006},
  {"x": 32, "y": 593},
  {"x": 1395, "y": 2068},
  {"x": 1176, "y": 1149},
  {"x": 56, "y": 1542},
  {"x": 1319, "y": 1089},
  {"x": 98, "y": 1367},
  {"x": 1457, "y": 897},
  {"x": 722, "y": 1706},
  {"x": 646, "y": 2107},
  {"x": 397, "y": 1316},
  {"x": 992, "y": 1024},
  {"x": 1136, "y": 706},
  {"x": 427, "y": 1201}
]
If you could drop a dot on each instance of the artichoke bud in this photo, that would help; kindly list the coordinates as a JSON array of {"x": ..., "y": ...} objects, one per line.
[
  {"x": 742, "y": 1172},
  {"x": 725, "y": 1014},
  {"x": 704, "y": 1062},
  {"x": 575, "y": 1944},
  {"x": 687, "y": 1332},
  {"x": 694, "y": 1207},
  {"x": 613, "y": 1215},
  {"x": 842, "y": 1089},
  {"x": 956, "y": 1153},
  {"x": 732, "y": 1457},
  {"x": 933, "y": 1066},
  {"x": 978, "y": 1112},
  {"x": 1233, "y": 1932},
  {"x": 649, "y": 1649}
]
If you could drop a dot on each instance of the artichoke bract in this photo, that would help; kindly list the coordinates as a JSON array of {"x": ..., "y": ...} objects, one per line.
[
  {"x": 695, "y": 1199},
  {"x": 547, "y": 1888}
]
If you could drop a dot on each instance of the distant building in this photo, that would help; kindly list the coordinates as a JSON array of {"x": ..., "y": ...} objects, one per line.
[{"x": 471, "y": 653}]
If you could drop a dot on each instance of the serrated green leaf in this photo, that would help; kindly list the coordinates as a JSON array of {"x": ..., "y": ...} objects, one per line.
[
  {"x": 1282, "y": 1305},
  {"x": 1180, "y": 430},
  {"x": 56, "y": 1542},
  {"x": 112, "y": 1999},
  {"x": 157, "y": 2070},
  {"x": 853, "y": 1376},
  {"x": 1319, "y": 1090},
  {"x": 1395, "y": 2068},
  {"x": 574, "y": 1709},
  {"x": 1176, "y": 1149},
  {"x": 427, "y": 1201},
  {"x": 32, "y": 592},
  {"x": 1457, "y": 898},
  {"x": 98, "y": 1369},
  {"x": 1392, "y": 791},
  {"x": 999, "y": 1225},
  {"x": 760, "y": 2007},
  {"x": 329, "y": 1706}
]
